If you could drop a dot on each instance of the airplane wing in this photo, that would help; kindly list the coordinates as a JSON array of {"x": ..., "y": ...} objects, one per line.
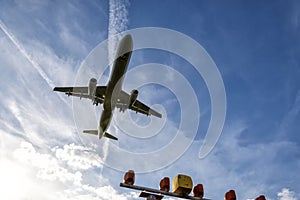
[
  {"x": 144, "y": 109},
  {"x": 137, "y": 106},
  {"x": 82, "y": 92}
]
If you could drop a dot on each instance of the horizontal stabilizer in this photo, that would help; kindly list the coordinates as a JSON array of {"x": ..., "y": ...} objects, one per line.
[
  {"x": 106, "y": 134},
  {"x": 93, "y": 132}
]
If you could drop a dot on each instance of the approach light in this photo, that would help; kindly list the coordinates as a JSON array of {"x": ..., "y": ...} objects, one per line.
[
  {"x": 230, "y": 195},
  {"x": 261, "y": 197},
  {"x": 198, "y": 191},
  {"x": 165, "y": 184},
  {"x": 129, "y": 177}
]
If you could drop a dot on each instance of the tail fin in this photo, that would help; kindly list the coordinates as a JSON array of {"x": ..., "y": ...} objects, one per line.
[{"x": 106, "y": 134}]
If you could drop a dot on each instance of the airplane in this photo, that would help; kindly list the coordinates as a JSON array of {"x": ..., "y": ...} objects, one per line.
[{"x": 112, "y": 96}]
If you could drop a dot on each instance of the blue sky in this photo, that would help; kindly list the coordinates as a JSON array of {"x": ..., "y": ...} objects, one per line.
[{"x": 254, "y": 44}]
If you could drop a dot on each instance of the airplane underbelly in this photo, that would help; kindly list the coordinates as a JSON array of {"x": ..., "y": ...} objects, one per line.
[
  {"x": 111, "y": 96},
  {"x": 104, "y": 121}
]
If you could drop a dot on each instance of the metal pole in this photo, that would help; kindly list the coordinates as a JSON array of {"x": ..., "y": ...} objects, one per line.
[{"x": 141, "y": 188}]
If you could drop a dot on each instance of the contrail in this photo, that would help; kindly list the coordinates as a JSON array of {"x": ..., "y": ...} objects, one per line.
[
  {"x": 27, "y": 56},
  {"x": 117, "y": 23}
]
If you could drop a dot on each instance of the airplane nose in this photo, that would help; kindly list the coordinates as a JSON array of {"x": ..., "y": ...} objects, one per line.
[
  {"x": 126, "y": 45},
  {"x": 128, "y": 40}
]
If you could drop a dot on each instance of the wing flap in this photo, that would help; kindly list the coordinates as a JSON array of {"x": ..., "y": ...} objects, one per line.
[
  {"x": 142, "y": 108},
  {"x": 82, "y": 92},
  {"x": 138, "y": 106}
]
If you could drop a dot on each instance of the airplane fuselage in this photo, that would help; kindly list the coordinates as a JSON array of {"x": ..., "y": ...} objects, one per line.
[
  {"x": 115, "y": 82},
  {"x": 111, "y": 96}
]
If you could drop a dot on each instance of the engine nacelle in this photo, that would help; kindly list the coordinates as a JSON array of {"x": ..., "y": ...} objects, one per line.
[
  {"x": 92, "y": 87},
  {"x": 133, "y": 97}
]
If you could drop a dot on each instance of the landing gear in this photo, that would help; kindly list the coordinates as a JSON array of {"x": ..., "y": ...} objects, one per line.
[
  {"x": 95, "y": 103},
  {"x": 123, "y": 108}
]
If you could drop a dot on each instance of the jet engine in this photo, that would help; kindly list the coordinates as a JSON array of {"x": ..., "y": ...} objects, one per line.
[
  {"x": 133, "y": 96},
  {"x": 92, "y": 87}
]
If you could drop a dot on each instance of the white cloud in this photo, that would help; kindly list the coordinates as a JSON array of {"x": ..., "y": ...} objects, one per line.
[
  {"x": 72, "y": 43},
  {"x": 286, "y": 194},
  {"x": 35, "y": 113},
  {"x": 25, "y": 54},
  {"x": 78, "y": 157},
  {"x": 291, "y": 115},
  {"x": 12, "y": 177},
  {"x": 47, "y": 165},
  {"x": 31, "y": 5},
  {"x": 27, "y": 96},
  {"x": 66, "y": 167}
]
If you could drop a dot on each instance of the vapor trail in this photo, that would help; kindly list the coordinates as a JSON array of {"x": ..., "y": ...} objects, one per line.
[
  {"x": 25, "y": 54},
  {"x": 117, "y": 23},
  {"x": 118, "y": 20}
]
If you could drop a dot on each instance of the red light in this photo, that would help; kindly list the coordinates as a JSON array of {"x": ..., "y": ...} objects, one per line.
[
  {"x": 261, "y": 197},
  {"x": 198, "y": 191},
  {"x": 129, "y": 177},
  {"x": 230, "y": 195},
  {"x": 165, "y": 184}
]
